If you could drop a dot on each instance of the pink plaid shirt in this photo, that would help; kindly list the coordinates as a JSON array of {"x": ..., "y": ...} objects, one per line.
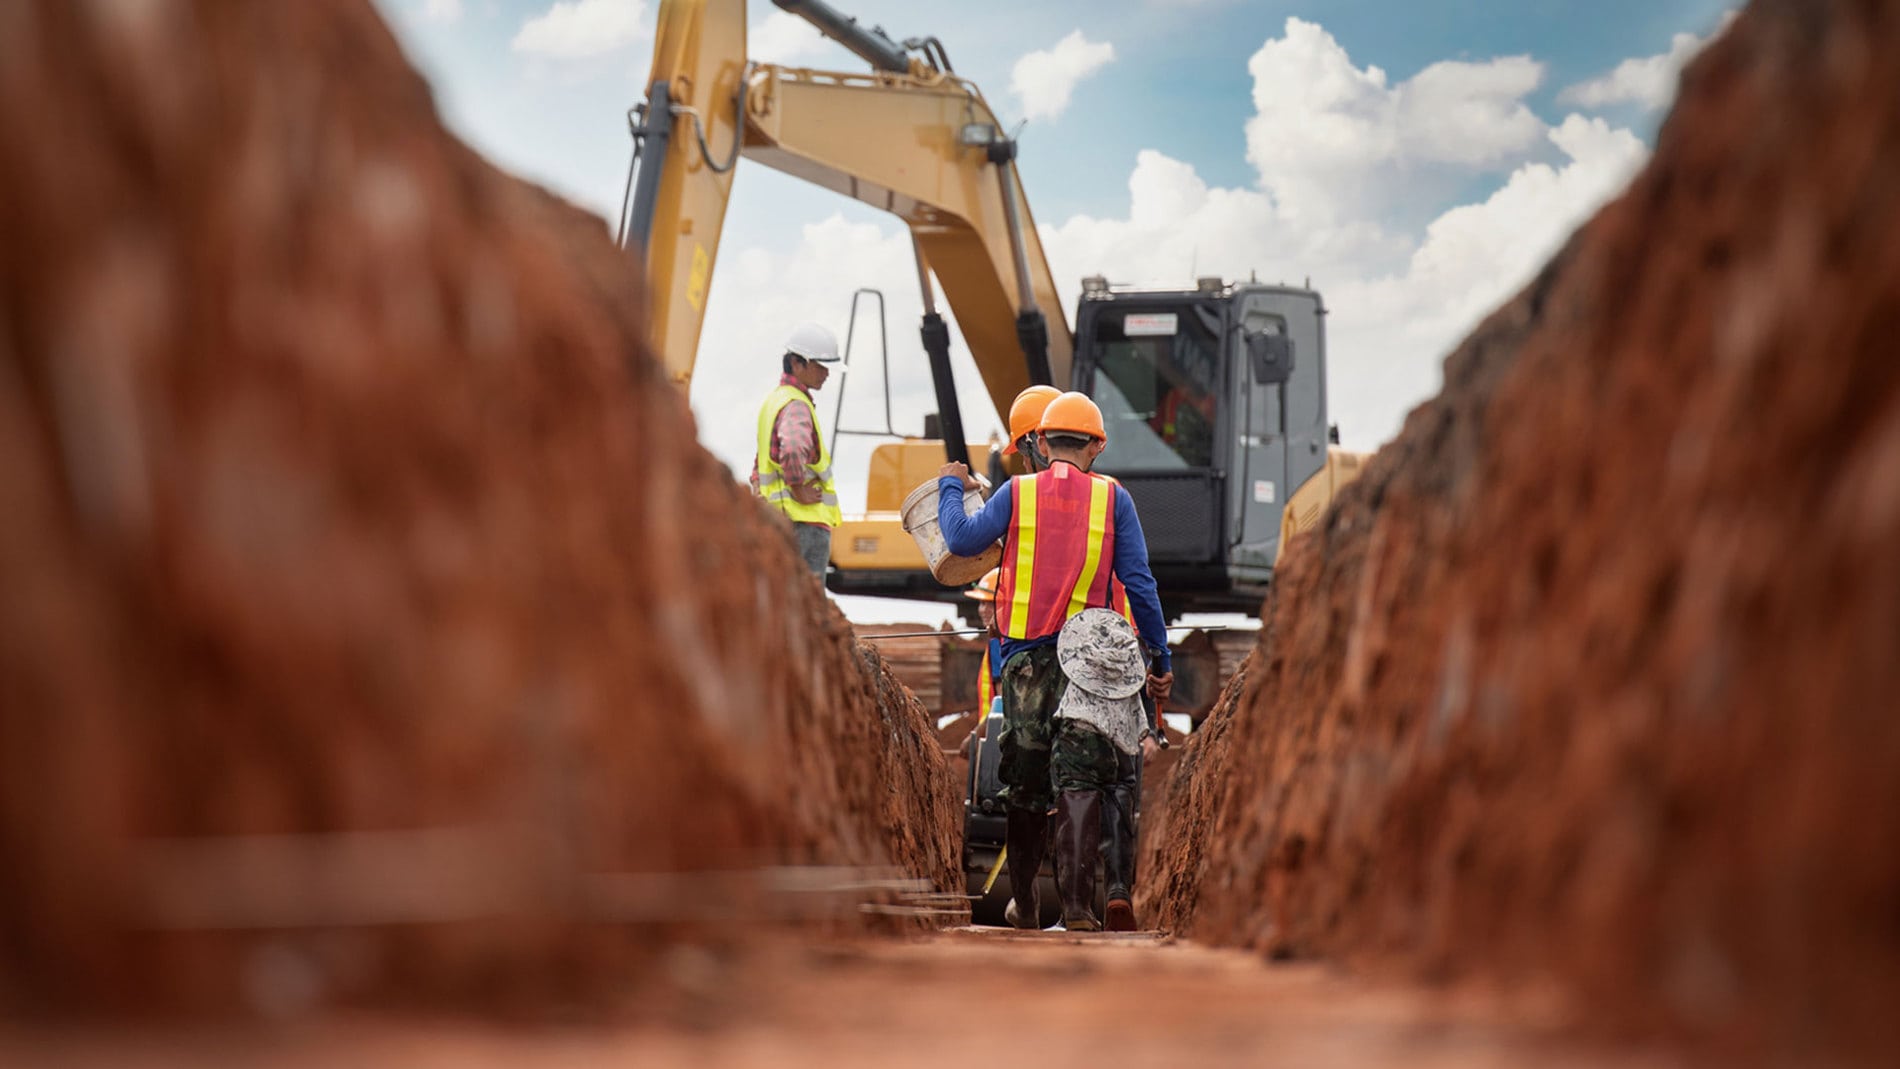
[{"x": 794, "y": 439}]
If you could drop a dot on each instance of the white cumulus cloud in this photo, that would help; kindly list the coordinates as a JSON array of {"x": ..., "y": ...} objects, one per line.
[
  {"x": 1400, "y": 297},
  {"x": 444, "y": 11},
  {"x": 1044, "y": 80},
  {"x": 1647, "y": 81},
  {"x": 577, "y": 29},
  {"x": 784, "y": 38},
  {"x": 1388, "y": 332},
  {"x": 1179, "y": 227},
  {"x": 1333, "y": 140}
]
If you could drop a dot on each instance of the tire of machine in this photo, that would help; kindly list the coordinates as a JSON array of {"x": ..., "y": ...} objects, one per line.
[{"x": 988, "y": 910}]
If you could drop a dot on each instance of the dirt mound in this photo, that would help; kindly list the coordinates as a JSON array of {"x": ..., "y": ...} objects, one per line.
[
  {"x": 374, "y": 625},
  {"x": 1591, "y": 677}
]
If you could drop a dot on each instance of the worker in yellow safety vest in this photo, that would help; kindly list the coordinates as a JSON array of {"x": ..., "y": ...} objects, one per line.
[
  {"x": 792, "y": 468},
  {"x": 984, "y": 594},
  {"x": 1071, "y": 541}
]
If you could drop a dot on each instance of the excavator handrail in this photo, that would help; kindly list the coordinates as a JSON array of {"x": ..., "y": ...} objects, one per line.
[
  {"x": 884, "y": 341},
  {"x": 868, "y": 79}
]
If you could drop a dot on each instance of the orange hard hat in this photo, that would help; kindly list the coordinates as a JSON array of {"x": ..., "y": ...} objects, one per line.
[
  {"x": 1073, "y": 413},
  {"x": 985, "y": 588},
  {"x": 1025, "y": 413}
]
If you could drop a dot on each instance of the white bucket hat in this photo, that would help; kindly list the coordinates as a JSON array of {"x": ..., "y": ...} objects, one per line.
[{"x": 1101, "y": 656}]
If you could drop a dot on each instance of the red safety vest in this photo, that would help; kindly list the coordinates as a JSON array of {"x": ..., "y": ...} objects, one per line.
[{"x": 1059, "y": 551}]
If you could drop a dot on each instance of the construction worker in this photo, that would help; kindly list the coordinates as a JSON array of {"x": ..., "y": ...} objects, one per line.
[
  {"x": 1025, "y": 417},
  {"x": 1118, "y": 810},
  {"x": 1184, "y": 419},
  {"x": 1101, "y": 731},
  {"x": 984, "y": 594},
  {"x": 792, "y": 468},
  {"x": 1118, "y": 828},
  {"x": 1071, "y": 541}
]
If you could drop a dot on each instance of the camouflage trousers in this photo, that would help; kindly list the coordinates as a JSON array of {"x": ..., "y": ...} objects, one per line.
[
  {"x": 1032, "y": 686},
  {"x": 1040, "y": 754},
  {"x": 1082, "y": 758}
]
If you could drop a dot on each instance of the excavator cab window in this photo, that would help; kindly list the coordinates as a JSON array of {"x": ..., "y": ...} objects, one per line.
[{"x": 1157, "y": 379}]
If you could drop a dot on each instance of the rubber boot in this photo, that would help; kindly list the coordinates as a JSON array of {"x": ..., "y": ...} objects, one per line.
[
  {"x": 1078, "y": 848},
  {"x": 1027, "y": 830},
  {"x": 1118, "y": 846}
]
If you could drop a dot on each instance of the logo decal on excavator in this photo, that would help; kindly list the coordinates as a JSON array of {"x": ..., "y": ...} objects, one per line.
[{"x": 696, "y": 278}]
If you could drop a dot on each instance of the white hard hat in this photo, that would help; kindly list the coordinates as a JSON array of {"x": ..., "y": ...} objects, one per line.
[{"x": 813, "y": 342}]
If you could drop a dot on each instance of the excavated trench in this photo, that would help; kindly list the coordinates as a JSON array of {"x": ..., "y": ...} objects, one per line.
[
  {"x": 375, "y": 629},
  {"x": 376, "y": 634},
  {"x": 1589, "y": 683}
]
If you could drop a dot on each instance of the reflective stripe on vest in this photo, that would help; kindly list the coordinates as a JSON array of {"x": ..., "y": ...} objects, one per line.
[
  {"x": 1117, "y": 593},
  {"x": 772, "y": 485},
  {"x": 1118, "y": 600},
  {"x": 985, "y": 683},
  {"x": 1059, "y": 552}
]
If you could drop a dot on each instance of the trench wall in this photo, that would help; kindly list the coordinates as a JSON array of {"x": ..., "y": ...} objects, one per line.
[
  {"x": 1589, "y": 683},
  {"x": 374, "y": 627}
]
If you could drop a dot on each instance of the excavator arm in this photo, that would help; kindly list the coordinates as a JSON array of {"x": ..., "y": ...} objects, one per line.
[
  {"x": 909, "y": 137},
  {"x": 677, "y": 204}
]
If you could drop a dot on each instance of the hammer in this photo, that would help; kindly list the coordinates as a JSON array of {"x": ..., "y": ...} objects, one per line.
[{"x": 1155, "y": 725}]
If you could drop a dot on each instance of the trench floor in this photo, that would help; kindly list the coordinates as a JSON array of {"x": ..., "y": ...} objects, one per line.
[{"x": 962, "y": 998}]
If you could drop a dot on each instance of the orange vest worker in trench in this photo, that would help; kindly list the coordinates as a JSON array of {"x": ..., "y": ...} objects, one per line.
[
  {"x": 1118, "y": 807},
  {"x": 1071, "y": 541}
]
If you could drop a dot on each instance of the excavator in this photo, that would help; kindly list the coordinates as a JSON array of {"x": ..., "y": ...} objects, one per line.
[{"x": 1214, "y": 392}]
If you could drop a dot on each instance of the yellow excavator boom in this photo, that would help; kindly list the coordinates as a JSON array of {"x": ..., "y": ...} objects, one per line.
[
  {"x": 893, "y": 142},
  {"x": 679, "y": 204},
  {"x": 918, "y": 142}
]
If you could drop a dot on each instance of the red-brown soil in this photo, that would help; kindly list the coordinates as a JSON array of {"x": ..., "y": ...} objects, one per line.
[
  {"x": 955, "y": 998},
  {"x": 372, "y": 620},
  {"x": 1591, "y": 678},
  {"x": 375, "y": 633}
]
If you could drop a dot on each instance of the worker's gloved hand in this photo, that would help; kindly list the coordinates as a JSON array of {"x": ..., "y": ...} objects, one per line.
[
  {"x": 1149, "y": 747},
  {"x": 1160, "y": 686},
  {"x": 961, "y": 473},
  {"x": 807, "y": 493}
]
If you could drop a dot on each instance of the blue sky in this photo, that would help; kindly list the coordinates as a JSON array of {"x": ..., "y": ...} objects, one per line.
[
  {"x": 1417, "y": 159},
  {"x": 1179, "y": 83}
]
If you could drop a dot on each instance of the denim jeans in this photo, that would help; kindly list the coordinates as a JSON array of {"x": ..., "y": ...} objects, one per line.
[{"x": 814, "y": 544}]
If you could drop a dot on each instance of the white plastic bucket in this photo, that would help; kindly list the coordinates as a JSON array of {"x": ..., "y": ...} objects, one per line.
[{"x": 920, "y": 519}]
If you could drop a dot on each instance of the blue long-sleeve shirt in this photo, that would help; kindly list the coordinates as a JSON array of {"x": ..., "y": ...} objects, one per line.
[{"x": 969, "y": 535}]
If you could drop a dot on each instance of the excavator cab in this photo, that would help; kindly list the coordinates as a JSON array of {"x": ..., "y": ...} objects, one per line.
[{"x": 1215, "y": 405}]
